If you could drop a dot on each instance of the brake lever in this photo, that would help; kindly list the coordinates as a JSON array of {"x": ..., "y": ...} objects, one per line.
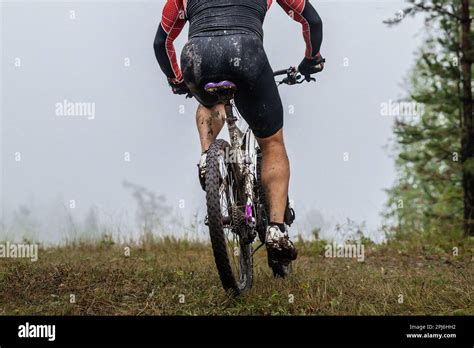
[
  {"x": 286, "y": 81},
  {"x": 295, "y": 78}
]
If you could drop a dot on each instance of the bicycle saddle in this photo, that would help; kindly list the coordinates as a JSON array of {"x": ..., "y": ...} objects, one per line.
[{"x": 220, "y": 88}]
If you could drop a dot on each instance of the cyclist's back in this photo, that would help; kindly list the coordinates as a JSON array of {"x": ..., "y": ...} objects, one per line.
[{"x": 225, "y": 17}]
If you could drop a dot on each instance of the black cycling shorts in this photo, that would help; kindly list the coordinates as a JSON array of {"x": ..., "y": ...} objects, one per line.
[{"x": 239, "y": 58}]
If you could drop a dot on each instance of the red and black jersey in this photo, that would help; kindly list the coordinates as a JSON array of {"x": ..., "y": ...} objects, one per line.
[{"x": 227, "y": 17}]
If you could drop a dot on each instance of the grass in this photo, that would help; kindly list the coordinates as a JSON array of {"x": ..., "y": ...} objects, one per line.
[{"x": 173, "y": 277}]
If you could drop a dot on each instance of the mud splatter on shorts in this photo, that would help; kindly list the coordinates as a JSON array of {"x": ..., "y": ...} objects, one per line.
[{"x": 239, "y": 58}]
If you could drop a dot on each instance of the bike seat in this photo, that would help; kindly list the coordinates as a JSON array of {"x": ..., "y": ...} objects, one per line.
[{"x": 222, "y": 87}]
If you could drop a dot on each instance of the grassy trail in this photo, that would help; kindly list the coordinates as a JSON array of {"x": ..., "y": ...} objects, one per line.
[{"x": 179, "y": 278}]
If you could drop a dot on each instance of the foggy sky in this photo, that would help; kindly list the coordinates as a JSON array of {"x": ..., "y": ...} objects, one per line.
[{"x": 83, "y": 59}]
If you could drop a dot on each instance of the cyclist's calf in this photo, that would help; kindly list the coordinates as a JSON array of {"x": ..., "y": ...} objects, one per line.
[
  {"x": 275, "y": 174},
  {"x": 209, "y": 123}
]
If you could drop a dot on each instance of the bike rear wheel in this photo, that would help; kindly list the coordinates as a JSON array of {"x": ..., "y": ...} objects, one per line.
[{"x": 226, "y": 220}]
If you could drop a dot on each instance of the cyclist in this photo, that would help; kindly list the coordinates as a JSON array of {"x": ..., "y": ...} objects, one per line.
[{"x": 226, "y": 43}]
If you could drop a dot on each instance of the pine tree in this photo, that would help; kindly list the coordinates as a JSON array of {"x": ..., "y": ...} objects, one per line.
[{"x": 435, "y": 163}]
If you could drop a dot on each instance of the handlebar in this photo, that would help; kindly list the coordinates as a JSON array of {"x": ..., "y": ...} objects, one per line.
[
  {"x": 281, "y": 72},
  {"x": 293, "y": 77}
]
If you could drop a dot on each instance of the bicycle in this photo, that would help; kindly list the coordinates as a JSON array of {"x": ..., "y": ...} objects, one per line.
[{"x": 236, "y": 204}]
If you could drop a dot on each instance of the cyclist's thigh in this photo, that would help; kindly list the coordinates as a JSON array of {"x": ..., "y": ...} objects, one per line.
[{"x": 260, "y": 104}]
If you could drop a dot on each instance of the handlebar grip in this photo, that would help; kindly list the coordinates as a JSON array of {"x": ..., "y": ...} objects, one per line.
[{"x": 280, "y": 72}]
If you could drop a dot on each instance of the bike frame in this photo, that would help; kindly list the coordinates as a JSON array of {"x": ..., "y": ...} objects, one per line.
[
  {"x": 234, "y": 195},
  {"x": 244, "y": 150}
]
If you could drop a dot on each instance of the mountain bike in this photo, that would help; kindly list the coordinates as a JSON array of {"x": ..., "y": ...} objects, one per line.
[{"x": 237, "y": 211}]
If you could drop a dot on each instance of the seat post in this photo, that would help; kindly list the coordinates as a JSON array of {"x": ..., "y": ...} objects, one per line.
[
  {"x": 230, "y": 119},
  {"x": 229, "y": 113}
]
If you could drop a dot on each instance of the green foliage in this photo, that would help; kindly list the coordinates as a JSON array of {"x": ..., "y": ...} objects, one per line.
[
  {"x": 106, "y": 241},
  {"x": 427, "y": 196},
  {"x": 315, "y": 246}
]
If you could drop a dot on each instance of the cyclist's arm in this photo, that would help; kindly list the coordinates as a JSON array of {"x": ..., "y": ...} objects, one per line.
[
  {"x": 172, "y": 22},
  {"x": 302, "y": 11}
]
